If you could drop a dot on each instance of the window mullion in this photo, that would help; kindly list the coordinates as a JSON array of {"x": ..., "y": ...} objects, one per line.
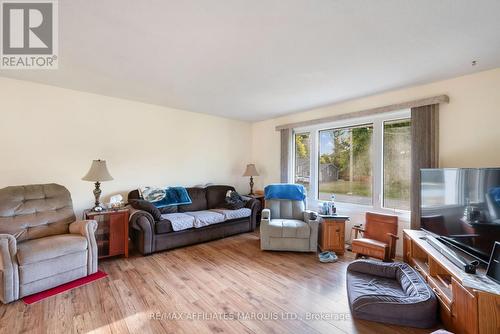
[
  {"x": 378, "y": 164},
  {"x": 313, "y": 186}
]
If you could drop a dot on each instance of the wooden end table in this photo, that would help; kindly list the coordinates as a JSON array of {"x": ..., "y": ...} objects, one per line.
[
  {"x": 112, "y": 232},
  {"x": 332, "y": 233}
]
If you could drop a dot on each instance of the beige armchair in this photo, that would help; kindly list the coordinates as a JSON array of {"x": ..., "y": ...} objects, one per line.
[
  {"x": 41, "y": 243},
  {"x": 287, "y": 226}
]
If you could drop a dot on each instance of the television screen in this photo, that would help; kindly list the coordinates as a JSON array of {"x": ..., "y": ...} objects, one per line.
[{"x": 462, "y": 206}]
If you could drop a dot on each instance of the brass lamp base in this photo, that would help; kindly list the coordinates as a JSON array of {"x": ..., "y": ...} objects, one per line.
[
  {"x": 251, "y": 186},
  {"x": 98, "y": 209},
  {"x": 97, "y": 194}
]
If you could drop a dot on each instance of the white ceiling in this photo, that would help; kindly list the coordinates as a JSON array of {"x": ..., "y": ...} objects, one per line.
[{"x": 258, "y": 59}]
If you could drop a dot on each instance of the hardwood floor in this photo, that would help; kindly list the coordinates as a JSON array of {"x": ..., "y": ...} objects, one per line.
[{"x": 230, "y": 276}]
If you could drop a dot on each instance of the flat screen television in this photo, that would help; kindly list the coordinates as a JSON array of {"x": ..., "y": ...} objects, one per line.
[{"x": 461, "y": 206}]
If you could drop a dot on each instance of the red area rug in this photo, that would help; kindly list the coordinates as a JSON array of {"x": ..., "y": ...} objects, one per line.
[{"x": 64, "y": 287}]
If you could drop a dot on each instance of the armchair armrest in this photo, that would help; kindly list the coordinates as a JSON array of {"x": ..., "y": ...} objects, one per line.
[
  {"x": 250, "y": 202},
  {"x": 266, "y": 214},
  {"x": 312, "y": 219},
  {"x": 83, "y": 227},
  {"x": 357, "y": 230},
  {"x": 392, "y": 244},
  {"x": 311, "y": 216},
  {"x": 265, "y": 221},
  {"x": 9, "y": 273},
  {"x": 254, "y": 205},
  {"x": 87, "y": 229}
]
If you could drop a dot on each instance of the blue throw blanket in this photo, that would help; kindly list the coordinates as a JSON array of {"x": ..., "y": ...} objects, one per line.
[
  {"x": 166, "y": 197},
  {"x": 294, "y": 192}
]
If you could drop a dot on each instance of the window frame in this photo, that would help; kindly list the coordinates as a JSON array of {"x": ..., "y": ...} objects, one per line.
[
  {"x": 294, "y": 157},
  {"x": 377, "y": 121}
]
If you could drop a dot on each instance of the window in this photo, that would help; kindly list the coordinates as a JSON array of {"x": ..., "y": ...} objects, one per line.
[
  {"x": 397, "y": 164},
  {"x": 302, "y": 159},
  {"x": 345, "y": 164},
  {"x": 365, "y": 161}
]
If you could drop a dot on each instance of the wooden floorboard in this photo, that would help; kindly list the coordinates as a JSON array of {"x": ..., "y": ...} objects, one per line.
[{"x": 271, "y": 292}]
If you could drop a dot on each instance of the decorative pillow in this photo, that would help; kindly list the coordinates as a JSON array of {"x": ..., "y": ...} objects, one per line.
[
  {"x": 233, "y": 201},
  {"x": 140, "y": 204},
  {"x": 160, "y": 198},
  {"x": 152, "y": 194}
]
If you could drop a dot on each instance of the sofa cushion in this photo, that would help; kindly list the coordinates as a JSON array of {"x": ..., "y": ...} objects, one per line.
[
  {"x": 234, "y": 214},
  {"x": 141, "y": 204},
  {"x": 216, "y": 195},
  {"x": 365, "y": 284},
  {"x": 37, "y": 250},
  {"x": 288, "y": 228},
  {"x": 174, "y": 222},
  {"x": 205, "y": 218},
  {"x": 363, "y": 242},
  {"x": 199, "y": 198}
]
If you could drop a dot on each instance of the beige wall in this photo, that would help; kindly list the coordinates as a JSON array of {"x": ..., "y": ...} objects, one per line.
[
  {"x": 469, "y": 124},
  {"x": 50, "y": 134}
]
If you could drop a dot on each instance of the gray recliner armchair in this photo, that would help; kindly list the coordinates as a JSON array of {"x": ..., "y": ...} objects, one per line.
[
  {"x": 286, "y": 225},
  {"x": 41, "y": 243}
]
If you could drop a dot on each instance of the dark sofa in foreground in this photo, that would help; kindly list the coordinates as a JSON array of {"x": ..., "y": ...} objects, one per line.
[{"x": 152, "y": 234}]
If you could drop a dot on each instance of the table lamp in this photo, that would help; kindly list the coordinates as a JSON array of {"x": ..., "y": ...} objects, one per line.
[
  {"x": 251, "y": 171},
  {"x": 98, "y": 173}
]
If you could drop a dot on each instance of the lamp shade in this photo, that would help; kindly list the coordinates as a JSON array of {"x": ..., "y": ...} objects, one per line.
[
  {"x": 98, "y": 172},
  {"x": 251, "y": 171}
]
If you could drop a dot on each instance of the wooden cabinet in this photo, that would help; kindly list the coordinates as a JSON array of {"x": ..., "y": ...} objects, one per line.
[
  {"x": 466, "y": 303},
  {"x": 332, "y": 233},
  {"x": 112, "y": 232},
  {"x": 464, "y": 310}
]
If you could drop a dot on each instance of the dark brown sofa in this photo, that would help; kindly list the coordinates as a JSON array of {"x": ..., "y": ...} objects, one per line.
[{"x": 150, "y": 235}]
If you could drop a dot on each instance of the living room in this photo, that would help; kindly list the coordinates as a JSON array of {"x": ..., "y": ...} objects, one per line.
[{"x": 250, "y": 166}]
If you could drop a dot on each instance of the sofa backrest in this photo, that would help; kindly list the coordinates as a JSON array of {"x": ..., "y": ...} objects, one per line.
[
  {"x": 286, "y": 209},
  {"x": 134, "y": 194},
  {"x": 35, "y": 211},
  {"x": 216, "y": 195},
  {"x": 198, "y": 197}
]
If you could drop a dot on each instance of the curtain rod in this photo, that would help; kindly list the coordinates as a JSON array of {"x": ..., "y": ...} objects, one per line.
[{"x": 368, "y": 112}]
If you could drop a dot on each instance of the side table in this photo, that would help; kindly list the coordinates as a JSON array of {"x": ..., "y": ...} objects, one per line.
[
  {"x": 112, "y": 231},
  {"x": 332, "y": 233}
]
